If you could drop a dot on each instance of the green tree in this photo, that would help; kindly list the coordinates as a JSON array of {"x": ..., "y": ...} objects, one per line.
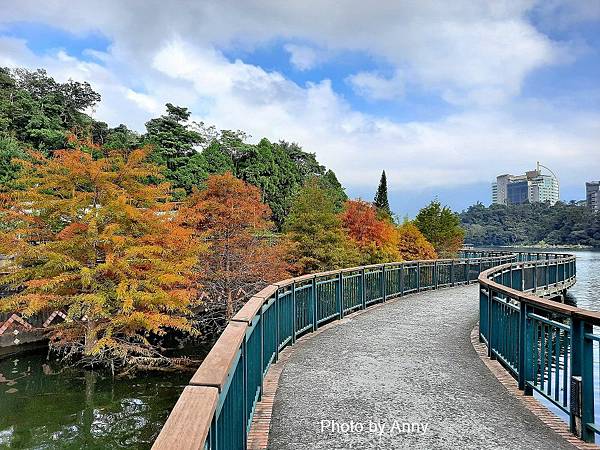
[
  {"x": 441, "y": 227},
  {"x": 268, "y": 167},
  {"x": 330, "y": 182},
  {"x": 175, "y": 141},
  {"x": 10, "y": 150},
  {"x": 315, "y": 230},
  {"x": 381, "y": 198},
  {"x": 40, "y": 112}
]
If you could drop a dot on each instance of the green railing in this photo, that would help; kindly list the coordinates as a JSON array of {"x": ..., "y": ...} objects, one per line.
[
  {"x": 215, "y": 411},
  {"x": 547, "y": 346}
]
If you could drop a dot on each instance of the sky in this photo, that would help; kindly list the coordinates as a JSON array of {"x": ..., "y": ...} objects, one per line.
[{"x": 443, "y": 96}]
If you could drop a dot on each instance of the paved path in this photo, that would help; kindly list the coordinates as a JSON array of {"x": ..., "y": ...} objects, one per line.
[{"x": 411, "y": 361}]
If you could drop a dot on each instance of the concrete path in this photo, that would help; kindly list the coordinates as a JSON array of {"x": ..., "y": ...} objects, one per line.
[{"x": 409, "y": 367}]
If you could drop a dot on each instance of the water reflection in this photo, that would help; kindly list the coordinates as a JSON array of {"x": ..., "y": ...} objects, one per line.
[{"x": 43, "y": 408}]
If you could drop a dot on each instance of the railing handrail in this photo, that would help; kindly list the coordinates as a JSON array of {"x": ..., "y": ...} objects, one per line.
[
  {"x": 567, "y": 310},
  {"x": 217, "y": 369}
]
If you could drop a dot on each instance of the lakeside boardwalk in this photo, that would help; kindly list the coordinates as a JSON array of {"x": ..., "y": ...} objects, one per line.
[{"x": 410, "y": 360}]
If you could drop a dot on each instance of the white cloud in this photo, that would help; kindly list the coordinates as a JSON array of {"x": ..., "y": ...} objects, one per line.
[
  {"x": 302, "y": 57},
  {"x": 474, "y": 54},
  {"x": 375, "y": 87}
]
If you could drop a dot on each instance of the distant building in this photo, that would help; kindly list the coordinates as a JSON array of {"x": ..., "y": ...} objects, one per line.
[
  {"x": 592, "y": 195},
  {"x": 531, "y": 187}
]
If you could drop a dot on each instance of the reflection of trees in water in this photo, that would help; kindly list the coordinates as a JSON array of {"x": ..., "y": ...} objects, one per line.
[{"x": 81, "y": 409}]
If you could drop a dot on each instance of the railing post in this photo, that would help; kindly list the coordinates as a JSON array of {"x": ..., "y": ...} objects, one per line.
[
  {"x": 435, "y": 274},
  {"x": 582, "y": 380},
  {"x": 383, "y": 284},
  {"x": 418, "y": 277},
  {"x": 262, "y": 351},
  {"x": 314, "y": 303},
  {"x": 452, "y": 273},
  {"x": 525, "y": 361},
  {"x": 276, "y": 326},
  {"x": 245, "y": 388},
  {"x": 489, "y": 324},
  {"x": 363, "y": 289},
  {"x": 294, "y": 313},
  {"x": 401, "y": 279},
  {"x": 340, "y": 295}
]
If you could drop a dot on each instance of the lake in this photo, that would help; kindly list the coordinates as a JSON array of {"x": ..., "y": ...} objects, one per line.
[{"x": 41, "y": 408}]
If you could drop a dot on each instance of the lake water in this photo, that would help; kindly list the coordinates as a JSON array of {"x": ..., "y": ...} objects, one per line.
[{"x": 41, "y": 408}]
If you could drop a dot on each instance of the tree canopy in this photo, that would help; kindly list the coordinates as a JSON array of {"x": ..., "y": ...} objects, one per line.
[
  {"x": 316, "y": 233},
  {"x": 92, "y": 238},
  {"x": 441, "y": 227},
  {"x": 242, "y": 257}
]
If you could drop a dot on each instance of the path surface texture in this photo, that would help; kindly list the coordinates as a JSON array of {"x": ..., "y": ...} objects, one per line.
[{"x": 406, "y": 364}]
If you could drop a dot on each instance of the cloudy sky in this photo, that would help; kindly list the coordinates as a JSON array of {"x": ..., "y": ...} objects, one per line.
[{"x": 443, "y": 95}]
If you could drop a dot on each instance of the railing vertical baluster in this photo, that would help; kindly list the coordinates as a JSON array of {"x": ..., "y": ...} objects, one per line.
[
  {"x": 452, "y": 273},
  {"x": 435, "y": 274}
]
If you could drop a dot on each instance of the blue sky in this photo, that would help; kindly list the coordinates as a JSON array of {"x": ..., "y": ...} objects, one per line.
[{"x": 443, "y": 97}]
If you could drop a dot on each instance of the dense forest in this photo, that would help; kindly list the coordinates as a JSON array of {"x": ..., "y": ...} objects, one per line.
[
  {"x": 137, "y": 237},
  {"x": 531, "y": 224},
  {"x": 40, "y": 113}
]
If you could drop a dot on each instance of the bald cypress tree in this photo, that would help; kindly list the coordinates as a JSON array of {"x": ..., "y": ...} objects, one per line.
[{"x": 381, "y": 197}]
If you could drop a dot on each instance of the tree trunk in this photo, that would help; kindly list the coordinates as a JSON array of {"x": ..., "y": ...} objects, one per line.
[{"x": 90, "y": 337}]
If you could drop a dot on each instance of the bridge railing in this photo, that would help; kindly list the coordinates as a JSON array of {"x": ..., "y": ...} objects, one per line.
[
  {"x": 215, "y": 411},
  {"x": 547, "y": 346}
]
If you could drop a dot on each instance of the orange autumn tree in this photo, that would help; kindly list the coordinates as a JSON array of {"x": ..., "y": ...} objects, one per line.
[
  {"x": 92, "y": 238},
  {"x": 377, "y": 239},
  {"x": 412, "y": 244},
  {"x": 243, "y": 256}
]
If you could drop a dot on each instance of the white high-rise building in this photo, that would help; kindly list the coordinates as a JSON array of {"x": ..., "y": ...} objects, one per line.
[{"x": 531, "y": 187}]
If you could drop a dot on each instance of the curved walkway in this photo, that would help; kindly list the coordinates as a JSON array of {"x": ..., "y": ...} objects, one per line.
[{"x": 410, "y": 364}]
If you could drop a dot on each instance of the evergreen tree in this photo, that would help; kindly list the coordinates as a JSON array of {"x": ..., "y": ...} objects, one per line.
[
  {"x": 381, "y": 197},
  {"x": 316, "y": 232},
  {"x": 441, "y": 227}
]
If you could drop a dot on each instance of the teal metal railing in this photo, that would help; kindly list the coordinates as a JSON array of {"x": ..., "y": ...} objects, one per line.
[
  {"x": 546, "y": 345},
  {"x": 215, "y": 411}
]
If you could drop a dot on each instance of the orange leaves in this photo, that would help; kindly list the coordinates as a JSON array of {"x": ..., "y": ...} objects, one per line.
[
  {"x": 95, "y": 237},
  {"x": 71, "y": 230},
  {"x": 376, "y": 238},
  {"x": 413, "y": 244},
  {"x": 230, "y": 217}
]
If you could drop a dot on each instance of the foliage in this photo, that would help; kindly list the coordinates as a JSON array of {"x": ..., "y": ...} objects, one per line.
[
  {"x": 531, "y": 224},
  {"x": 376, "y": 239},
  {"x": 441, "y": 227},
  {"x": 10, "y": 151},
  {"x": 38, "y": 111},
  {"x": 315, "y": 230},
  {"x": 329, "y": 182},
  {"x": 412, "y": 244},
  {"x": 381, "y": 198},
  {"x": 231, "y": 218},
  {"x": 93, "y": 238}
]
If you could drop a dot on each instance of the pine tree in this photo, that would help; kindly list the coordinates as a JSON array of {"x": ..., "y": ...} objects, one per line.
[{"x": 381, "y": 198}]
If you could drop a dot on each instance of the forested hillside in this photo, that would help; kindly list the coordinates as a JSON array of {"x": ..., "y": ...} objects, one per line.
[
  {"x": 37, "y": 112},
  {"x": 531, "y": 224}
]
